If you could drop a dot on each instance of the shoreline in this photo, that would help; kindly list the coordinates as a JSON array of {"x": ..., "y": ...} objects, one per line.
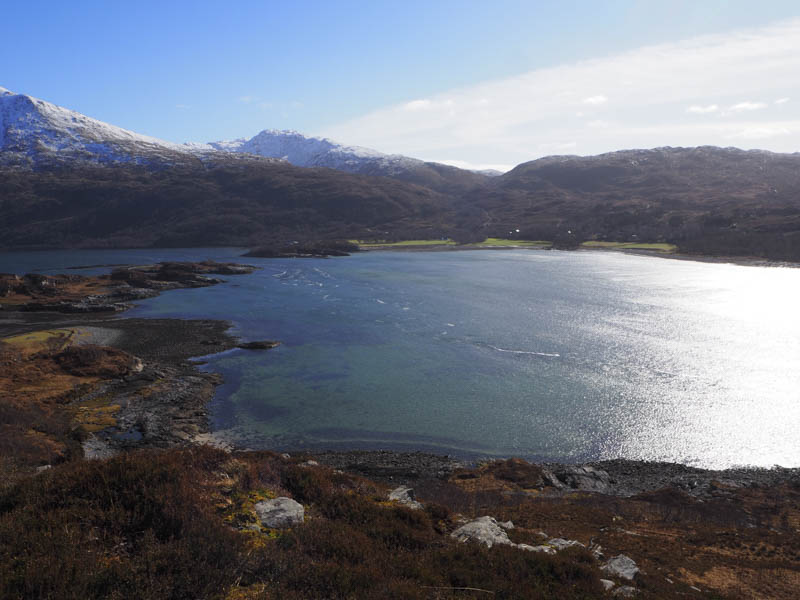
[
  {"x": 745, "y": 261},
  {"x": 178, "y": 414}
]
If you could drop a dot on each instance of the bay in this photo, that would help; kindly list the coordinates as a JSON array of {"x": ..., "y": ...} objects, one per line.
[{"x": 547, "y": 355}]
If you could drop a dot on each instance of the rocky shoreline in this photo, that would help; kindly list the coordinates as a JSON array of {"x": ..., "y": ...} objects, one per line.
[
  {"x": 165, "y": 403},
  {"x": 641, "y": 529}
]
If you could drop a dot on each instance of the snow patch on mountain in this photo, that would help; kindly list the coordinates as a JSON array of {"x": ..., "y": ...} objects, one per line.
[
  {"x": 306, "y": 151},
  {"x": 38, "y": 130}
]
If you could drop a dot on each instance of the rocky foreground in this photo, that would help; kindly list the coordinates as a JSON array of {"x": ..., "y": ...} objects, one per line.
[{"x": 161, "y": 514}]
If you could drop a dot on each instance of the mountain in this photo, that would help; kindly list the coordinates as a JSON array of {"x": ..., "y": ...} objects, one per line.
[
  {"x": 34, "y": 133},
  {"x": 705, "y": 199},
  {"x": 69, "y": 180},
  {"x": 305, "y": 151}
]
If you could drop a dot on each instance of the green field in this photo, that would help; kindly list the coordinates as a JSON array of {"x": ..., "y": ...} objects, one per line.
[
  {"x": 496, "y": 242},
  {"x": 657, "y": 247},
  {"x": 383, "y": 244}
]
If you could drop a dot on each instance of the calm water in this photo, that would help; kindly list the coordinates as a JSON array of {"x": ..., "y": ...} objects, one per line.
[{"x": 548, "y": 355}]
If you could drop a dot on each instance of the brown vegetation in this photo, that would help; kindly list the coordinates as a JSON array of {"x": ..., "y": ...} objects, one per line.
[
  {"x": 151, "y": 525},
  {"x": 43, "y": 375}
]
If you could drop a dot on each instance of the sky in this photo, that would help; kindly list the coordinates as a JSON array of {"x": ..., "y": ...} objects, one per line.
[{"x": 473, "y": 83}]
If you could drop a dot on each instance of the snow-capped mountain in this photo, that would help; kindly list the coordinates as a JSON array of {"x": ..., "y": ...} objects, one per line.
[
  {"x": 306, "y": 151},
  {"x": 34, "y": 131}
]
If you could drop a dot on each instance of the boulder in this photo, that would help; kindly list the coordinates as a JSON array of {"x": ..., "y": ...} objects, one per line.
[
  {"x": 626, "y": 591},
  {"x": 280, "y": 513},
  {"x": 261, "y": 345},
  {"x": 562, "y": 544},
  {"x": 545, "y": 549},
  {"x": 621, "y": 566},
  {"x": 405, "y": 496},
  {"x": 581, "y": 478},
  {"x": 484, "y": 530},
  {"x": 607, "y": 584}
]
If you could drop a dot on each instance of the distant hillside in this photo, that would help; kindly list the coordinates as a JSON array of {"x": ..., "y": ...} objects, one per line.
[
  {"x": 305, "y": 151},
  {"x": 705, "y": 199},
  {"x": 238, "y": 203},
  {"x": 69, "y": 180}
]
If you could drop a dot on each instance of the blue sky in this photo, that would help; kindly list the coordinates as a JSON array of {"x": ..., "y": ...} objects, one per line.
[{"x": 207, "y": 70}]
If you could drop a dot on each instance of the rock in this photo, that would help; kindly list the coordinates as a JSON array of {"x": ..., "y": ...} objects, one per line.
[
  {"x": 405, "y": 496},
  {"x": 309, "y": 463},
  {"x": 607, "y": 584},
  {"x": 562, "y": 544},
  {"x": 545, "y": 549},
  {"x": 280, "y": 513},
  {"x": 581, "y": 478},
  {"x": 621, "y": 566},
  {"x": 262, "y": 345},
  {"x": 43, "y": 468},
  {"x": 506, "y": 524},
  {"x": 484, "y": 530},
  {"x": 626, "y": 591}
]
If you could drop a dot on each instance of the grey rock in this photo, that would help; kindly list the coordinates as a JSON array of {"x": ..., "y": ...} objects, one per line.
[
  {"x": 506, "y": 524},
  {"x": 405, "y": 495},
  {"x": 545, "y": 549},
  {"x": 626, "y": 591},
  {"x": 584, "y": 478},
  {"x": 280, "y": 513},
  {"x": 484, "y": 530},
  {"x": 310, "y": 463},
  {"x": 607, "y": 584},
  {"x": 43, "y": 468},
  {"x": 562, "y": 544},
  {"x": 621, "y": 566}
]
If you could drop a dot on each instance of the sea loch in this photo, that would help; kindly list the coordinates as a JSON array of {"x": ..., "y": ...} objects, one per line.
[{"x": 548, "y": 355}]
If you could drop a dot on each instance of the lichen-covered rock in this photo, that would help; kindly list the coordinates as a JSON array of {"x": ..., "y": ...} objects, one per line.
[
  {"x": 621, "y": 566},
  {"x": 405, "y": 496},
  {"x": 484, "y": 530},
  {"x": 561, "y": 544},
  {"x": 280, "y": 513}
]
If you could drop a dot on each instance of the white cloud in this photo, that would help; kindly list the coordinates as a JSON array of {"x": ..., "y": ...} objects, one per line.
[
  {"x": 742, "y": 106},
  {"x": 702, "y": 110},
  {"x": 417, "y": 105},
  {"x": 660, "y": 97},
  {"x": 759, "y": 133},
  {"x": 463, "y": 164},
  {"x": 781, "y": 100},
  {"x": 595, "y": 100},
  {"x": 246, "y": 99}
]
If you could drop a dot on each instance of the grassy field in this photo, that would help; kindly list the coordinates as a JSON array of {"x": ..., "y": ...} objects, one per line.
[
  {"x": 405, "y": 243},
  {"x": 658, "y": 247},
  {"x": 496, "y": 242}
]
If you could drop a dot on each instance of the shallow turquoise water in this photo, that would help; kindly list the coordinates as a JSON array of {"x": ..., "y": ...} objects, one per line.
[{"x": 541, "y": 354}]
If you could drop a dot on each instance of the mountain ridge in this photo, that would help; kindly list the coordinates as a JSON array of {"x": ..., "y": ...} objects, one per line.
[{"x": 704, "y": 199}]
